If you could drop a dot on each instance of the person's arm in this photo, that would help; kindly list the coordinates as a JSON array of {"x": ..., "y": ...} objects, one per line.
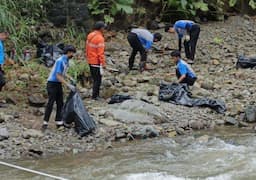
[
  {"x": 181, "y": 78},
  {"x": 60, "y": 77},
  {"x": 183, "y": 71}
]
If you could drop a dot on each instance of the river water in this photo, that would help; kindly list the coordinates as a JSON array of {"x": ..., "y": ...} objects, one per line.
[{"x": 228, "y": 154}]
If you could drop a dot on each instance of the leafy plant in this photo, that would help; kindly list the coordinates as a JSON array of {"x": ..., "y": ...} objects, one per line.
[
  {"x": 110, "y": 8},
  {"x": 251, "y": 3},
  {"x": 187, "y": 6},
  {"x": 78, "y": 68}
]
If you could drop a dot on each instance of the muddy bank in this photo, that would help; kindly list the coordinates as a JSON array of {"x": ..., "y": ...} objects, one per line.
[{"x": 145, "y": 116}]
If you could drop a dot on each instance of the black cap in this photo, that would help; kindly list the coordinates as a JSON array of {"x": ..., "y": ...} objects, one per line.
[
  {"x": 167, "y": 27},
  {"x": 175, "y": 53},
  {"x": 157, "y": 36},
  {"x": 68, "y": 48},
  {"x": 98, "y": 25}
]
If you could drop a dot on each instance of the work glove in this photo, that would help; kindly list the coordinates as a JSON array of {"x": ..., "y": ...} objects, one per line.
[
  {"x": 101, "y": 70},
  {"x": 71, "y": 87},
  {"x": 187, "y": 38}
]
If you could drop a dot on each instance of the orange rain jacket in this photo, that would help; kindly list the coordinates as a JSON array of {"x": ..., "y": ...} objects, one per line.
[{"x": 95, "y": 47}]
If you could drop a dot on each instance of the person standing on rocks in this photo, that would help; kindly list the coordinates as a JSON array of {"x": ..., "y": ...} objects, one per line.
[
  {"x": 184, "y": 72},
  {"x": 3, "y": 36},
  {"x": 94, "y": 53},
  {"x": 54, "y": 86},
  {"x": 141, "y": 40},
  {"x": 191, "y": 31}
]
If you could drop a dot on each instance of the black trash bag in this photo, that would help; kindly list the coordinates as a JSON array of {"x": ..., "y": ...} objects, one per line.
[
  {"x": 74, "y": 111},
  {"x": 118, "y": 98},
  {"x": 245, "y": 62},
  {"x": 49, "y": 53},
  {"x": 178, "y": 94}
]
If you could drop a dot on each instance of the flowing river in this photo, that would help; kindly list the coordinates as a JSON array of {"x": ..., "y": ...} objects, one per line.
[{"x": 227, "y": 153}]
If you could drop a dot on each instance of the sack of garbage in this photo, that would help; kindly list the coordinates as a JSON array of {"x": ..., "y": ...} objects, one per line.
[
  {"x": 118, "y": 98},
  {"x": 49, "y": 53},
  {"x": 245, "y": 62},
  {"x": 74, "y": 111},
  {"x": 178, "y": 94}
]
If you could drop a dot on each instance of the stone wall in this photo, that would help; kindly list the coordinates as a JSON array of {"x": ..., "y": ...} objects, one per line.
[{"x": 63, "y": 12}]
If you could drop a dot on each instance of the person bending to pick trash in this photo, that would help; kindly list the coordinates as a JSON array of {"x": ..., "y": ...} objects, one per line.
[
  {"x": 141, "y": 40},
  {"x": 191, "y": 31},
  {"x": 184, "y": 72}
]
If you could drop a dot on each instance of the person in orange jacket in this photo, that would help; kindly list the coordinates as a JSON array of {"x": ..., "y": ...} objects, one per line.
[{"x": 94, "y": 52}]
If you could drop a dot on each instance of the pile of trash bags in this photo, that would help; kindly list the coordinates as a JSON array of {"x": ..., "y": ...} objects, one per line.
[
  {"x": 49, "y": 53},
  {"x": 245, "y": 62},
  {"x": 74, "y": 111},
  {"x": 179, "y": 94}
]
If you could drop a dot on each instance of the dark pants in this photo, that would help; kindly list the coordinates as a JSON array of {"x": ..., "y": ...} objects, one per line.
[
  {"x": 190, "y": 46},
  {"x": 136, "y": 46},
  {"x": 96, "y": 77},
  {"x": 55, "y": 94},
  {"x": 188, "y": 80},
  {"x": 2, "y": 79}
]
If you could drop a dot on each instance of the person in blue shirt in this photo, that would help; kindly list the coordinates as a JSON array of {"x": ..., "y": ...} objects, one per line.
[
  {"x": 141, "y": 40},
  {"x": 3, "y": 36},
  {"x": 54, "y": 86},
  {"x": 184, "y": 72},
  {"x": 190, "y": 30}
]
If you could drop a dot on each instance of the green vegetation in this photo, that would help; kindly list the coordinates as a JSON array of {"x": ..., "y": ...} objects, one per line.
[{"x": 109, "y": 8}]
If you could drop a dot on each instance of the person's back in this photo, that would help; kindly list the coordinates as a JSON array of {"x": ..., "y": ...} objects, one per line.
[{"x": 95, "y": 48}]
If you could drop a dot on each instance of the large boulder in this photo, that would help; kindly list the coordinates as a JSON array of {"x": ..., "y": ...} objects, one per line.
[{"x": 135, "y": 111}]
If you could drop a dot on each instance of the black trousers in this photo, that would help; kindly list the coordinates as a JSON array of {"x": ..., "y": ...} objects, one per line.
[
  {"x": 96, "y": 77},
  {"x": 136, "y": 46},
  {"x": 55, "y": 94},
  {"x": 187, "y": 80},
  {"x": 190, "y": 46},
  {"x": 2, "y": 79}
]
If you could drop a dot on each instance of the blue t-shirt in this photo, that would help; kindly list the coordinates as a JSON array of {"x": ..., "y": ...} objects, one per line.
[
  {"x": 60, "y": 67},
  {"x": 181, "y": 27},
  {"x": 145, "y": 37},
  {"x": 1, "y": 53},
  {"x": 185, "y": 69}
]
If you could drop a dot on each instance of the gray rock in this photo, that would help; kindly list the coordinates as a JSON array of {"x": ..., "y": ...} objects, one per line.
[
  {"x": 109, "y": 122},
  {"x": 220, "y": 122},
  {"x": 4, "y": 134},
  {"x": 243, "y": 124},
  {"x": 196, "y": 124},
  {"x": 32, "y": 133},
  {"x": 230, "y": 121},
  {"x": 180, "y": 131},
  {"x": 119, "y": 134},
  {"x": 142, "y": 132},
  {"x": 36, "y": 100},
  {"x": 250, "y": 114}
]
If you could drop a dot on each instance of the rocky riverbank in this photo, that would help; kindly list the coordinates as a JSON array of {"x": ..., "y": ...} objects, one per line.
[{"x": 144, "y": 116}]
